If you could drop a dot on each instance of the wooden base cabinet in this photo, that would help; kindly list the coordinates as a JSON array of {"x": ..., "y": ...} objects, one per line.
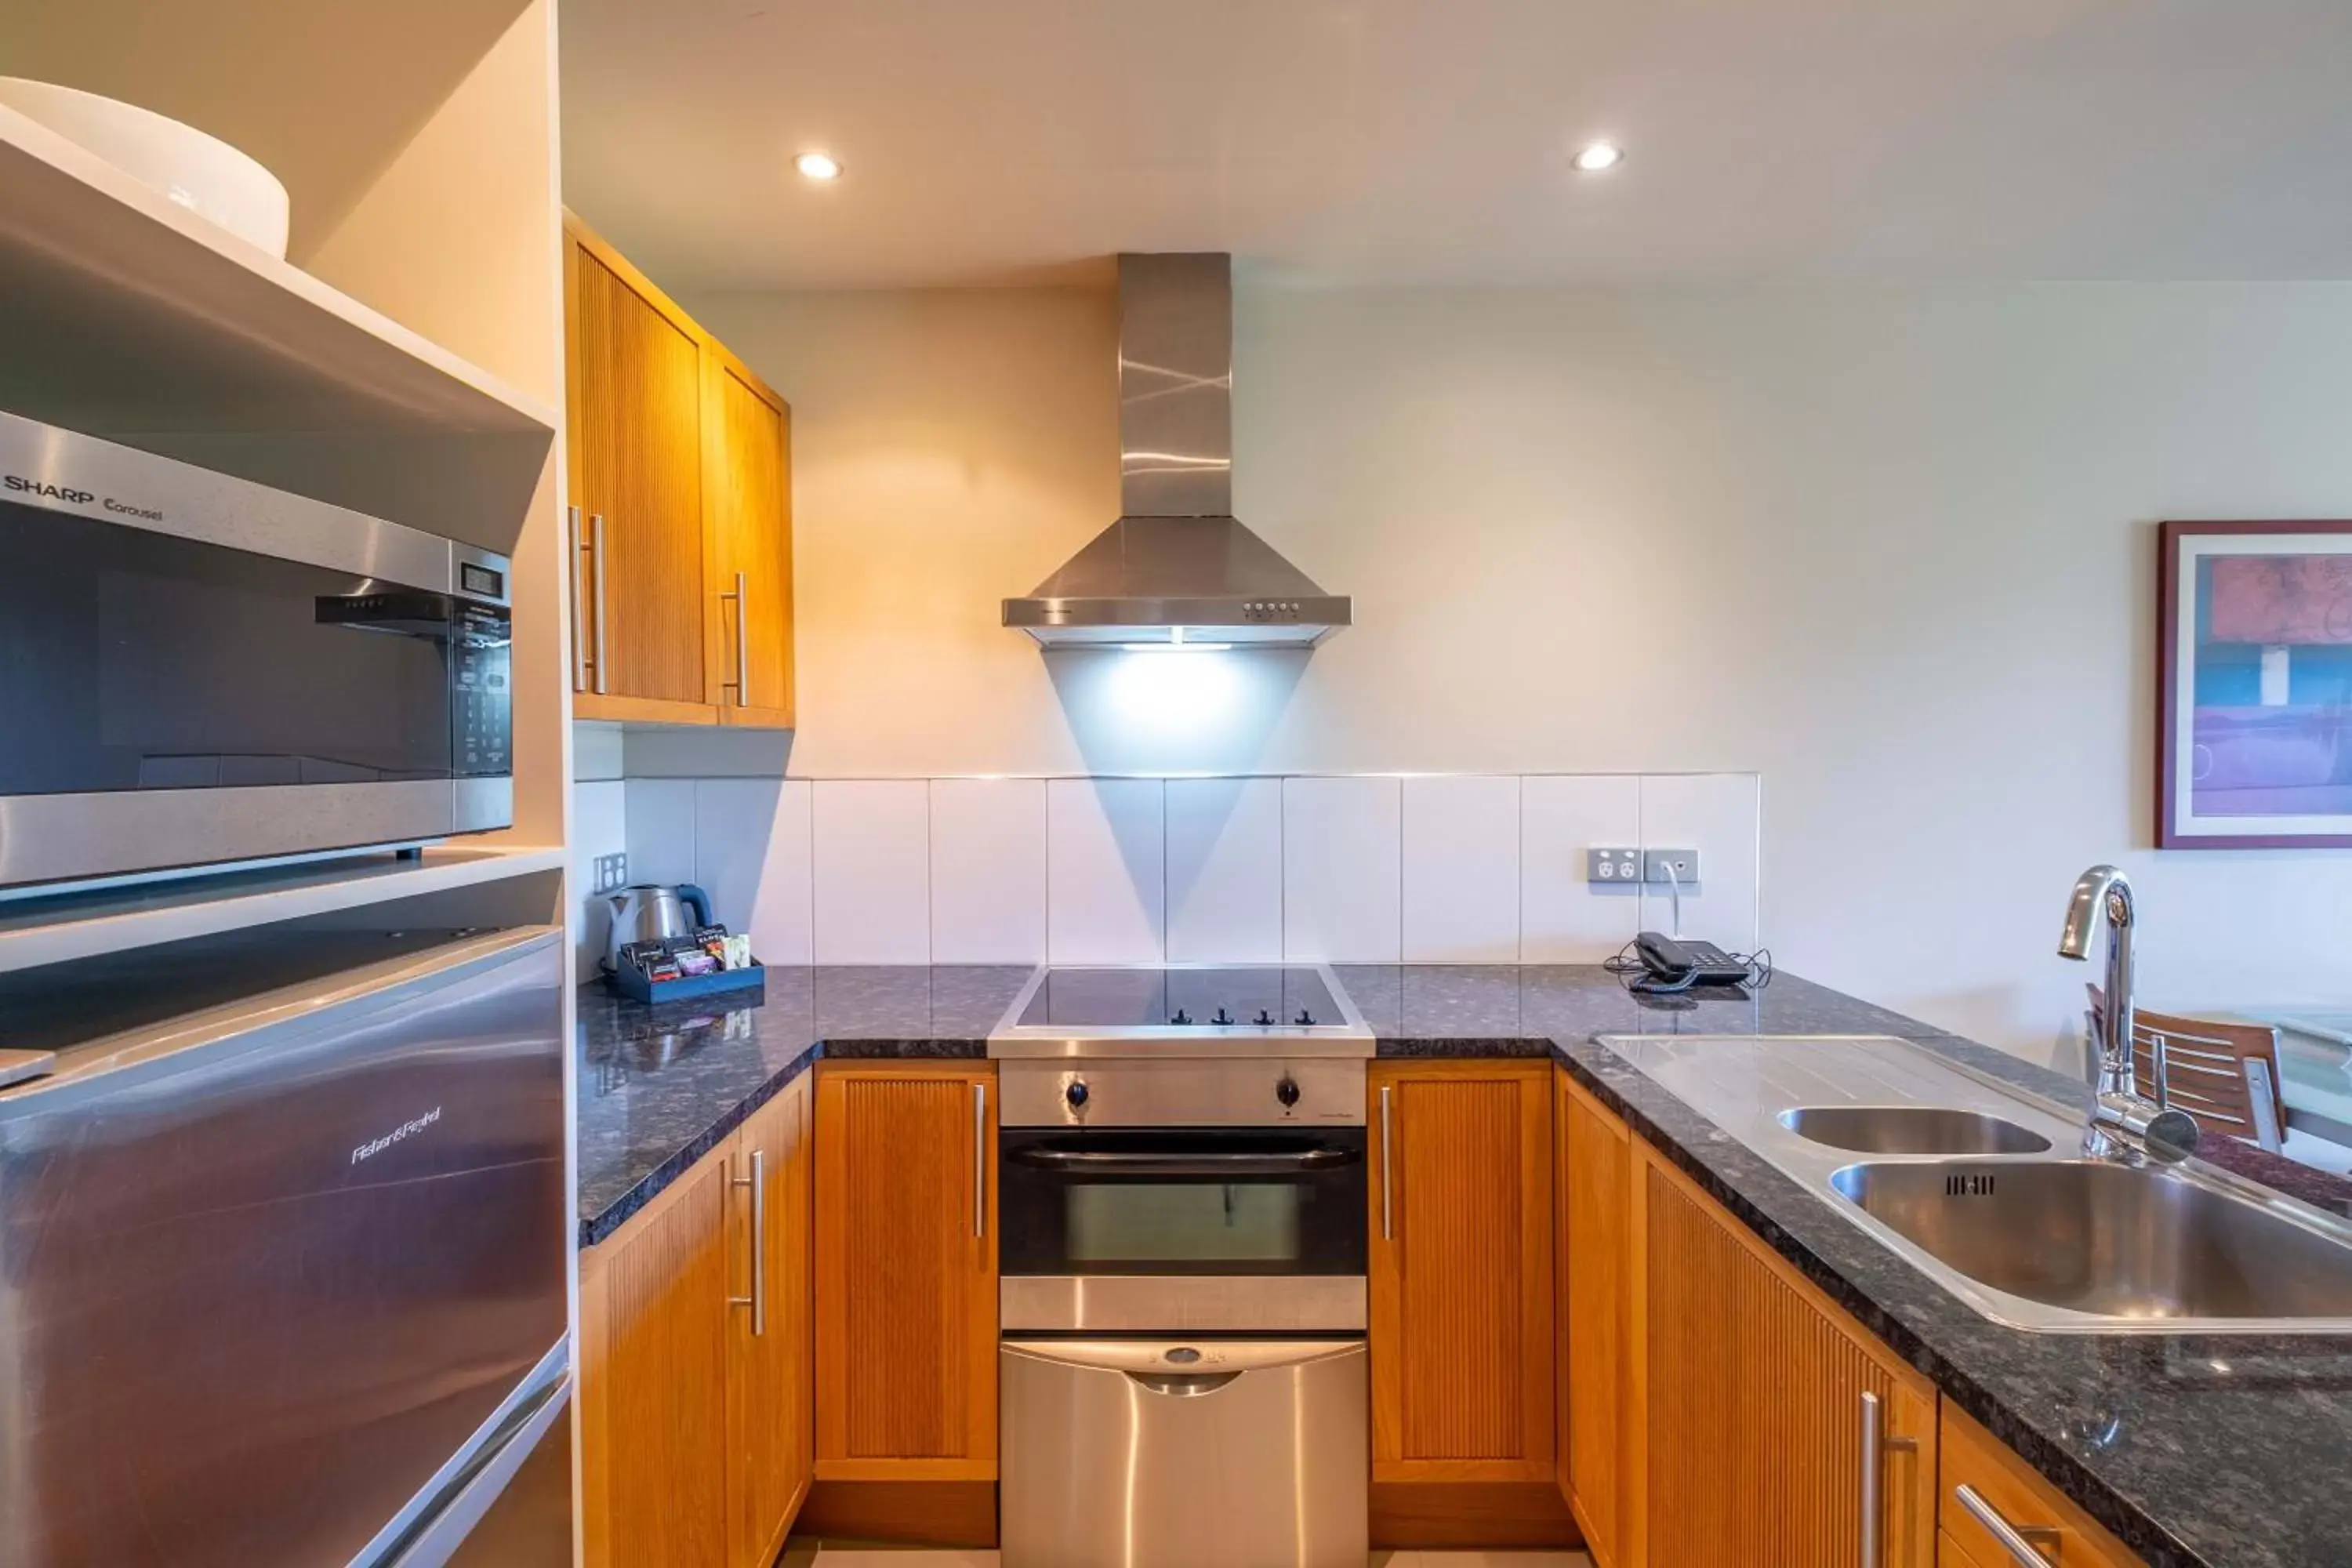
[
  {"x": 1979, "y": 1469},
  {"x": 1765, "y": 1412},
  {"x": 1594, "y": 1213},
  {"x": 906, "y": 1262},
  {"x": 1461, "y": 1272},
  {"x": 680, "y": 490},
  {"x": 771, "y": 1363},
  {"x": 696, "y": 1419}
]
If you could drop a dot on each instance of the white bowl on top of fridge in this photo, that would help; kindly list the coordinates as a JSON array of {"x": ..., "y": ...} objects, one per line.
[{"x": 190, "y": 168}]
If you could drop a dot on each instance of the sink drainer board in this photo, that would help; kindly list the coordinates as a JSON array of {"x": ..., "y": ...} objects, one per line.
[{"x": 1978, "y": 1186}]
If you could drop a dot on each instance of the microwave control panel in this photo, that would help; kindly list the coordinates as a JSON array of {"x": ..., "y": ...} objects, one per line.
[{"x": 481, "y": 694}]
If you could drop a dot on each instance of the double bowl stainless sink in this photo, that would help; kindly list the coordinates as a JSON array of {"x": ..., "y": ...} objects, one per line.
[{"x": 1976, "y": 1184}]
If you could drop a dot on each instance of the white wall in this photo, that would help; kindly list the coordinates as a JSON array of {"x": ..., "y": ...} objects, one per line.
[{"x": 1890, "y": 549}]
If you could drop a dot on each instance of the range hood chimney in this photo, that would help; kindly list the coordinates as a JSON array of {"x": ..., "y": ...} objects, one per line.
[{"x": 1176, "y": 569}]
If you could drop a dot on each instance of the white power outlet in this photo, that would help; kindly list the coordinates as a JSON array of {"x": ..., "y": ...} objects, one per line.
[{"x": 1612, "y": 866}]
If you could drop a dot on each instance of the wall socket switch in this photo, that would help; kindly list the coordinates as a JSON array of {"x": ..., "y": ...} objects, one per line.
[
  {"x": 1612, "y": 866},
  {"x": 1684, "y": 863},
  {"x": 610, "y": 872}
]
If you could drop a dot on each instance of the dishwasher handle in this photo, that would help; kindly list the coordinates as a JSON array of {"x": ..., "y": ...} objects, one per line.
[{"x": 1199, "y": 1361}]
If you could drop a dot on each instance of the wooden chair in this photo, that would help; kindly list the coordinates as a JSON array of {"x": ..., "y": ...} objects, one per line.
[{"x": 2225, "y": 1073}]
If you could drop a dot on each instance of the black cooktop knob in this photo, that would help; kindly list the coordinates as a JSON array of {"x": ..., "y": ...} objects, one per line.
[
  {"x": 1076, "y": 1094},
  {"x": 1306, "y": 1020},
  {"x": 1181, "y": 1016},
  {"x": 1286, "y": 1090},
  {"x": 1265, "y": 1019},
  {"x": 1223, "y": 1019}
]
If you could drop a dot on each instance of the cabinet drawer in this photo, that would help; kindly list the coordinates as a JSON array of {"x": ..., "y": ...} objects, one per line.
[
  {"x": 1950, "y": 1553},
  {"x": 1975, "y": 1458}
]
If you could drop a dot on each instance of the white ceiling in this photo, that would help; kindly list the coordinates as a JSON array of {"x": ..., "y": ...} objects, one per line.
[{"x": 1419, "y": 141}]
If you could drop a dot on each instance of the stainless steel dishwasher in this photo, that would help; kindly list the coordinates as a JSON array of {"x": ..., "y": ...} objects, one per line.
[{"x": 1177, "y": 1453}]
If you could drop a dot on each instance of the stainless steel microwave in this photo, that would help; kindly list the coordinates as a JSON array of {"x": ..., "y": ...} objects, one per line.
[{"x": 197, "y": 670}]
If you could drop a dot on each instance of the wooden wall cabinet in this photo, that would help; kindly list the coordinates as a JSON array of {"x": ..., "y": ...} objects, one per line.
[
  {"x": 697, "y": 1420},
  {"x": 680, "y": 509},
  {"x": 1460, "y": 1271},
  {"x": 905, "y": 1272}
]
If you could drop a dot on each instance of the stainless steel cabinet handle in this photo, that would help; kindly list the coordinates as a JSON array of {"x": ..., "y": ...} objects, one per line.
[
  {"x": 1876, "y": 1445},
  {"x": 742, "y": 681},
  {"x": 2022, "y": 1542},
  {"x": 979, "y": 1160},
  {"x": 1388, "y": 1163},
  {"x": 596, "y": 526},
  {"x": 579, "y": 628},
  {"x": 758, "y": 1299}
]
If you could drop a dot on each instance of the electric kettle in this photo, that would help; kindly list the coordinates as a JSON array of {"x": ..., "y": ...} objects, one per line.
[{"x": 651, "y": 914}]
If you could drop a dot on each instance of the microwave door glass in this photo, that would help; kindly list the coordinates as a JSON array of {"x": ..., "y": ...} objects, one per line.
[{"x": 143, "y": 661}]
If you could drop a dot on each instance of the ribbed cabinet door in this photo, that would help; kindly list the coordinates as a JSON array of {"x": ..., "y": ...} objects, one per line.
[
  {"x": 1754, "y": 1404},
  {"x": 1461, "y": 1281},
  {"x": 906, "y": 1273},
  {"x": 653, "y": 1303},
  {"x": 1594, "y": 1209},
  {"x": 770, "y": 1399}
]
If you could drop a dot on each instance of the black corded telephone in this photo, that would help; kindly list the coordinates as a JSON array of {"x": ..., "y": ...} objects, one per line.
[{"x": 1673, "y": 963}]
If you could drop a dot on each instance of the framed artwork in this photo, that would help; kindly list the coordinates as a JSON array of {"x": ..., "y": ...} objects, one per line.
[{"x": 2254, "y": 686}]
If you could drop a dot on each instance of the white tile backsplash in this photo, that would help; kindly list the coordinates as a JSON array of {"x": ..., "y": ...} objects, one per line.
[
  {"x": 1461, "y": 869},
  {"x": 752, "y": 856},
  {"x": 1224, "y": 870},
  {"x": 1106, "y": 867},
  {"x": 661, "y": 830},
  {"x": 1439, "y": 869},
  {"x": 600, "y": 826},
  {"x": 1562, "y": 918},
  {"x": 988, "y": 870},
  {"x": 872, "y": 863},
  {"x": 1342, "y": 841},
  {"x": 1716, "y": 815}
]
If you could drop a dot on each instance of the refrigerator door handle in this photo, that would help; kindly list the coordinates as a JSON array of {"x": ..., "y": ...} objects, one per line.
[{"x": 432, "y": 1528}]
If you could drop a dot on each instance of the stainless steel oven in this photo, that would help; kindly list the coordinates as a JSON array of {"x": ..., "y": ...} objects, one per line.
[
  {"x": 1179, "y": 1223},
  {"x": 1181, "y": 1150},
  {"x": 197, "y": 669}
]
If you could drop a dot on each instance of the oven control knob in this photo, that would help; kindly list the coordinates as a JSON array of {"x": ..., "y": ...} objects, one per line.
[
  {"x": 1077, "y": 1094},
  {"x": 1286, "y": 1090}
]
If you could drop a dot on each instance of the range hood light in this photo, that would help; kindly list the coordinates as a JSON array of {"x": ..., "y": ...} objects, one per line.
[{"x": 1177, "y": 643}]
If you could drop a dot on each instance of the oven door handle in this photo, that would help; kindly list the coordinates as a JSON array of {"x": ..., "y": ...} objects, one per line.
[{"x": 1202, "y": 1164}]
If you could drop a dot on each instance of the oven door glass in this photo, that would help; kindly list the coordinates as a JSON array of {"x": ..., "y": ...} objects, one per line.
[
  {"x": 1207, "y": 1201},
  {"x": 137, "y": 660}
]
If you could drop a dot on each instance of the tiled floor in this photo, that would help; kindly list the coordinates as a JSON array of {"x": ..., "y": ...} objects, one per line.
[{"x": 804, "y": 1554}]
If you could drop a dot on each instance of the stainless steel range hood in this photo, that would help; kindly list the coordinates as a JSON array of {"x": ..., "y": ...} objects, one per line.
[{"x": 1177, "y": 569}]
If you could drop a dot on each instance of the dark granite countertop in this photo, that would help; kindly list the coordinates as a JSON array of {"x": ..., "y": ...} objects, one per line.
[
  {"x": 661, "y": 1085},
  {"x": 2198, "y": 1451}
]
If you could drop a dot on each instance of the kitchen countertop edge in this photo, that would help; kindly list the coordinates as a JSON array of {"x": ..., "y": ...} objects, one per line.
[{"x": 1904, "y": 1308}]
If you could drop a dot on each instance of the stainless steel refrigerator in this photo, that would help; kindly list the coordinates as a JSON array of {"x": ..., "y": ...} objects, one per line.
[{"x": 283, "y": 1253}]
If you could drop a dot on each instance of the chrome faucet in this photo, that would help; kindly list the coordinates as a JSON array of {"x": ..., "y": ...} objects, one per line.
[{"x": 2116, "y": 1104}]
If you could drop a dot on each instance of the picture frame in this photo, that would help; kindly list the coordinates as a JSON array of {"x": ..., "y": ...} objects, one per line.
[{"x": 2254, "y": 686}]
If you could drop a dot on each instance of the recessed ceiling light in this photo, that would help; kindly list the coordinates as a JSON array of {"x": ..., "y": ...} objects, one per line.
[
  {"x": 1599, "y": 157},
  {"x": 817, "y": 166}
]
